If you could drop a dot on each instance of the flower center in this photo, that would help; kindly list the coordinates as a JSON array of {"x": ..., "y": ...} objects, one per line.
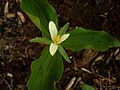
[{"x": 56, "y": 39}]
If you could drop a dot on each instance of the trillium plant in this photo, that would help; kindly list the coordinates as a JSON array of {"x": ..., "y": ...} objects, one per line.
[
  {"x": 48, "y": 69},
  {"x": 57, "y": 37}
]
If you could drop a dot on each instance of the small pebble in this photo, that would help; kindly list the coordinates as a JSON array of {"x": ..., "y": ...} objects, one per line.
[
  {"x": 21, "y": 16},
  {"x": 71, "y": 57},
  {"x": 9, "y": 75}
]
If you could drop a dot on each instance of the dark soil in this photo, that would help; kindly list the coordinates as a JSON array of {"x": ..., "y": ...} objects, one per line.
[{"x": 17, "y": 53}]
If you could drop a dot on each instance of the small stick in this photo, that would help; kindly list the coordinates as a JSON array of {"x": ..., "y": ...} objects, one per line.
[
  {"x": 8, "y": 85},
  {"x": 86, "y": 70},
  {"x": 96, "y": 74},
  {"x": 70, "y": 83},
  {"x": 78, "y": 80},
  {"x": 6, "y": 10}
]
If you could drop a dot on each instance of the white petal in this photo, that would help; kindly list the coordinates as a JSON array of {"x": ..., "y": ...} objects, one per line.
[
  {"x": 63, "y": 38},
  {"x": 52, "y": 29},
  {"x": 53, "y": 48}
]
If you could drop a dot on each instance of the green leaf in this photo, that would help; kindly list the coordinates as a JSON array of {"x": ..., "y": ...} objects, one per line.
[
  {"x": 45, "y": 71},
  {"x": 64, "y": 29},
  {"x": 84, "y": 39},
  {"x": 87, "y": 87},
  {"x": 41, "y": 40},
  {"x": 40, "y": 12},
  {"x": 63, "y": 53}
]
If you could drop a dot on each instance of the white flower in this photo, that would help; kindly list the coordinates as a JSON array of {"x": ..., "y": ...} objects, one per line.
[{"x": 56, "y": 38}]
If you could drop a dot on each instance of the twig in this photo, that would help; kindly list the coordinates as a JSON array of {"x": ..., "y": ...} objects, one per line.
[
  {"x": 8, "y": 85},
  {"x": 70, "y": 83},
  {"x": 6, "y": 10},
  {"x": 96, "y": 74},
  {"x": 78, "y": 80}
]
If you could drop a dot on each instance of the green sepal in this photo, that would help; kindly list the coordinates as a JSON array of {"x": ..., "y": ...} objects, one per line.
[
  {"x": 63, "y": 29},
  {"x": 41, "y": 40},
  {"x": 63, "y": 53}
]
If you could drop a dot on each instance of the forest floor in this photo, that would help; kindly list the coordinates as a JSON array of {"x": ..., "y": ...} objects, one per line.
[{"x": 98, "y": 69}]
